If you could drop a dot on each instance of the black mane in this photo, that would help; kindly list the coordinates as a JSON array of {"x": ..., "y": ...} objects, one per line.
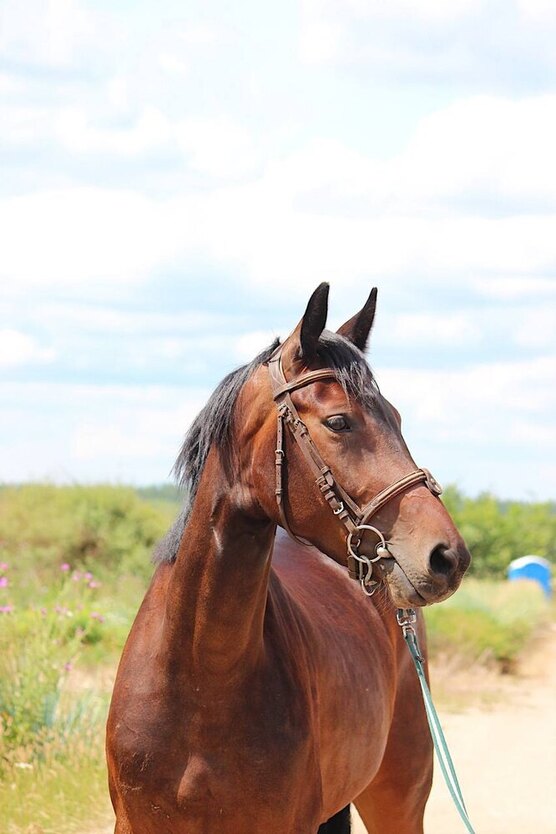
[{"x": 214, "y": 423}]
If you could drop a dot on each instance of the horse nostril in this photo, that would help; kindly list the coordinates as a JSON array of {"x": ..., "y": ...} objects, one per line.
[{"x": 442, "y": 560}]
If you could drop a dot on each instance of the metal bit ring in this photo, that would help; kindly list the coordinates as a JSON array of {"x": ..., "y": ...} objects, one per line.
[{"x": 382, "y": 543}]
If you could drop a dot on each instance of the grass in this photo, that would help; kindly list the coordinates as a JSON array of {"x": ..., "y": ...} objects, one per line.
[
  {"x": 57, "y": 783},
  {"x": 52, "y": 773},
  {"x": 74, "y": 565},
  {"x": 488, "y": 622}
]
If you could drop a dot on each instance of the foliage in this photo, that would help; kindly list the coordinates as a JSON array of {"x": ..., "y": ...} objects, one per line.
[
  {"x": 40, "y": 645},
  {"x": 94, "y": 527},
  {"x": 498, "y": 531},
  {"x": 65, "y": 791},
  {"x": 51, "y": 753},
  {"x": 74, "y": 565},
  {"x": 487, "y": 621},
  {"x": 161, "y": 492}
]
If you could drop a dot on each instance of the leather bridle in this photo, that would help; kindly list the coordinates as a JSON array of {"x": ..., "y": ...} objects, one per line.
[{"x": 354, "y": 517}]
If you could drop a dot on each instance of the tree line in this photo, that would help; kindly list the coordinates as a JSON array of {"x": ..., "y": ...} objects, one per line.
[{"x": 498, "y": 531}]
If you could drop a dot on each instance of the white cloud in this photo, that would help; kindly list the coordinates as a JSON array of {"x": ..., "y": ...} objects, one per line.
[
  {"x": 92, "y": 236},
  {"x": 485, "y": 427},
  {"x": 449, "y": 329},
  {"x": 481, "y": 402},
  {"x": 472, "y": 197},
  {"x": 51, "y": 33},
  {"x": 469, "y": 42},
  {"x": 329, "y": 27},
  {"x": 140, "y": 433},
  {"x": 203, "y": 35},
  {"x": 23, "y": 125},
  {"x": 18, "y": 348},
  {"x": 95, "y": 432},
  {"x": 486, "y": 146},
  {"x": 10, "y": 84},
  {"x": 320, "y": 40},
  {"x": 219, "y": 147},
  {"x": 480, "y": 155},
  {"x": 537, "y": 328},
  {"x": 91, "y": 441},
  {"x": 150, "y": 131},
  {"x": 429, "y": 10},
  {"x": 225, "y": 178},
  {"x": 82, "y": 235},
  {"x": 89, "y": 318},
  {"x": 537, "y": 433},
  {"x": 538, "y": 11},
  {"x": 509, "y": 287},
  {"x": 249, "y": 345}
]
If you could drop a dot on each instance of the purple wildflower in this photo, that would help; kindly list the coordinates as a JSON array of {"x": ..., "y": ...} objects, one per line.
[
  {"x": 4, "y": 566},
  {"x": 61, "y": 609},
  {"x": 96, "y": 616},
  {"x": 6, "y": 609},
  {"x": 64, "y": 567},
  {"x": 4, "y": 582}
]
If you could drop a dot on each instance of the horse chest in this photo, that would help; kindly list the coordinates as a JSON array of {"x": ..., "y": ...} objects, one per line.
[
  {"x": 209, "y": 774},
  {"x": 163, "y": 737}
]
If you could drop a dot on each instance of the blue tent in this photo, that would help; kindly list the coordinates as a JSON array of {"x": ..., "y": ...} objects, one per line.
[{"x": 532, "y": 567}]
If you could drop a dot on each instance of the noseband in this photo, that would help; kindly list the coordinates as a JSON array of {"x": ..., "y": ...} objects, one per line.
[{"x": 354, "y": 517}]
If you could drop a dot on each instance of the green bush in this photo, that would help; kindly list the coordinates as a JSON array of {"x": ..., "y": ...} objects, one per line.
[
  {"x": 100, "y": 528},
  {"x": 39, "y": 648},
  {"x": 78, "y": 565},
  {"x": 487, "y": 621},
  {"x": 498, "y": 531}
]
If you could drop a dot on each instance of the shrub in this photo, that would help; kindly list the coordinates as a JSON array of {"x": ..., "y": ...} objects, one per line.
[
  {"x": 498, "y": 531},
  {"x": 39, "y": 649},
  {"x": 95, "y": 527},
  {"x": 487, "y": 621}
]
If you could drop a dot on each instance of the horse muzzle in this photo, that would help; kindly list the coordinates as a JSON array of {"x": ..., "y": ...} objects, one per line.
[{"x": 412, "y": 585}]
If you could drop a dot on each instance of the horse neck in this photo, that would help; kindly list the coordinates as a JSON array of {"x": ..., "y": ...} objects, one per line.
[{"x": 216, "y": 597}]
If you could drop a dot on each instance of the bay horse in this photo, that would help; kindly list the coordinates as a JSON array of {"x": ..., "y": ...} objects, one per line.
[{"x": 260, "y": 690}]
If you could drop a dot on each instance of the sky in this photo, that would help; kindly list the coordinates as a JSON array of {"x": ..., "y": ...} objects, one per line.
[{"x": 177, "y": 177}]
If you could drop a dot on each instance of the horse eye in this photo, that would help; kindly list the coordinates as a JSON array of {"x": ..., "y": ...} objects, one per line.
[{"x": 337, "y": 423}]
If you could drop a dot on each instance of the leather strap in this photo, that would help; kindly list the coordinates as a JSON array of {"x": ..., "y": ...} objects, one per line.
[
  {"x": 312, "y": 376},
  {"x": 342, "y": 505},
  {"x": 397, "y": 488}
]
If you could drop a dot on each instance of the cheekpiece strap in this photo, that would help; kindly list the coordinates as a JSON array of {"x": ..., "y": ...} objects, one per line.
[{"x": 354, "y": 518}]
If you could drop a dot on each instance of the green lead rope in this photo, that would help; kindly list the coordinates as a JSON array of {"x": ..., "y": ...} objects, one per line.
[{"x": 406, "y": 618}]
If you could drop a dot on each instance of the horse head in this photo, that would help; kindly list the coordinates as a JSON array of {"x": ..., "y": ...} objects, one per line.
[{"x": 324, "y": 456}]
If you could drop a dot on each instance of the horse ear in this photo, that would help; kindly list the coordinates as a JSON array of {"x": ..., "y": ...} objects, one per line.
[
  {"x": 313, "y": 322},
  {"x": 358, "y": 328}
]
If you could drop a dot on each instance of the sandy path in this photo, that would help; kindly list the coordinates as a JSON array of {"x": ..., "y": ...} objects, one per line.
[{"x": 505, "y": 756}]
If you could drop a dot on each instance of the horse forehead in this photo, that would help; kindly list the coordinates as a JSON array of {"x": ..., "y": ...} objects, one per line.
[
  {"x": 322, "y": 392},
  {"x": 376, "y": 415}
]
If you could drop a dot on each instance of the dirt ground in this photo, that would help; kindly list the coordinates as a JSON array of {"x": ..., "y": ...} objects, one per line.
[
  {"x": 504, "y": 749},
  {"x": 505, "y": 755}
]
